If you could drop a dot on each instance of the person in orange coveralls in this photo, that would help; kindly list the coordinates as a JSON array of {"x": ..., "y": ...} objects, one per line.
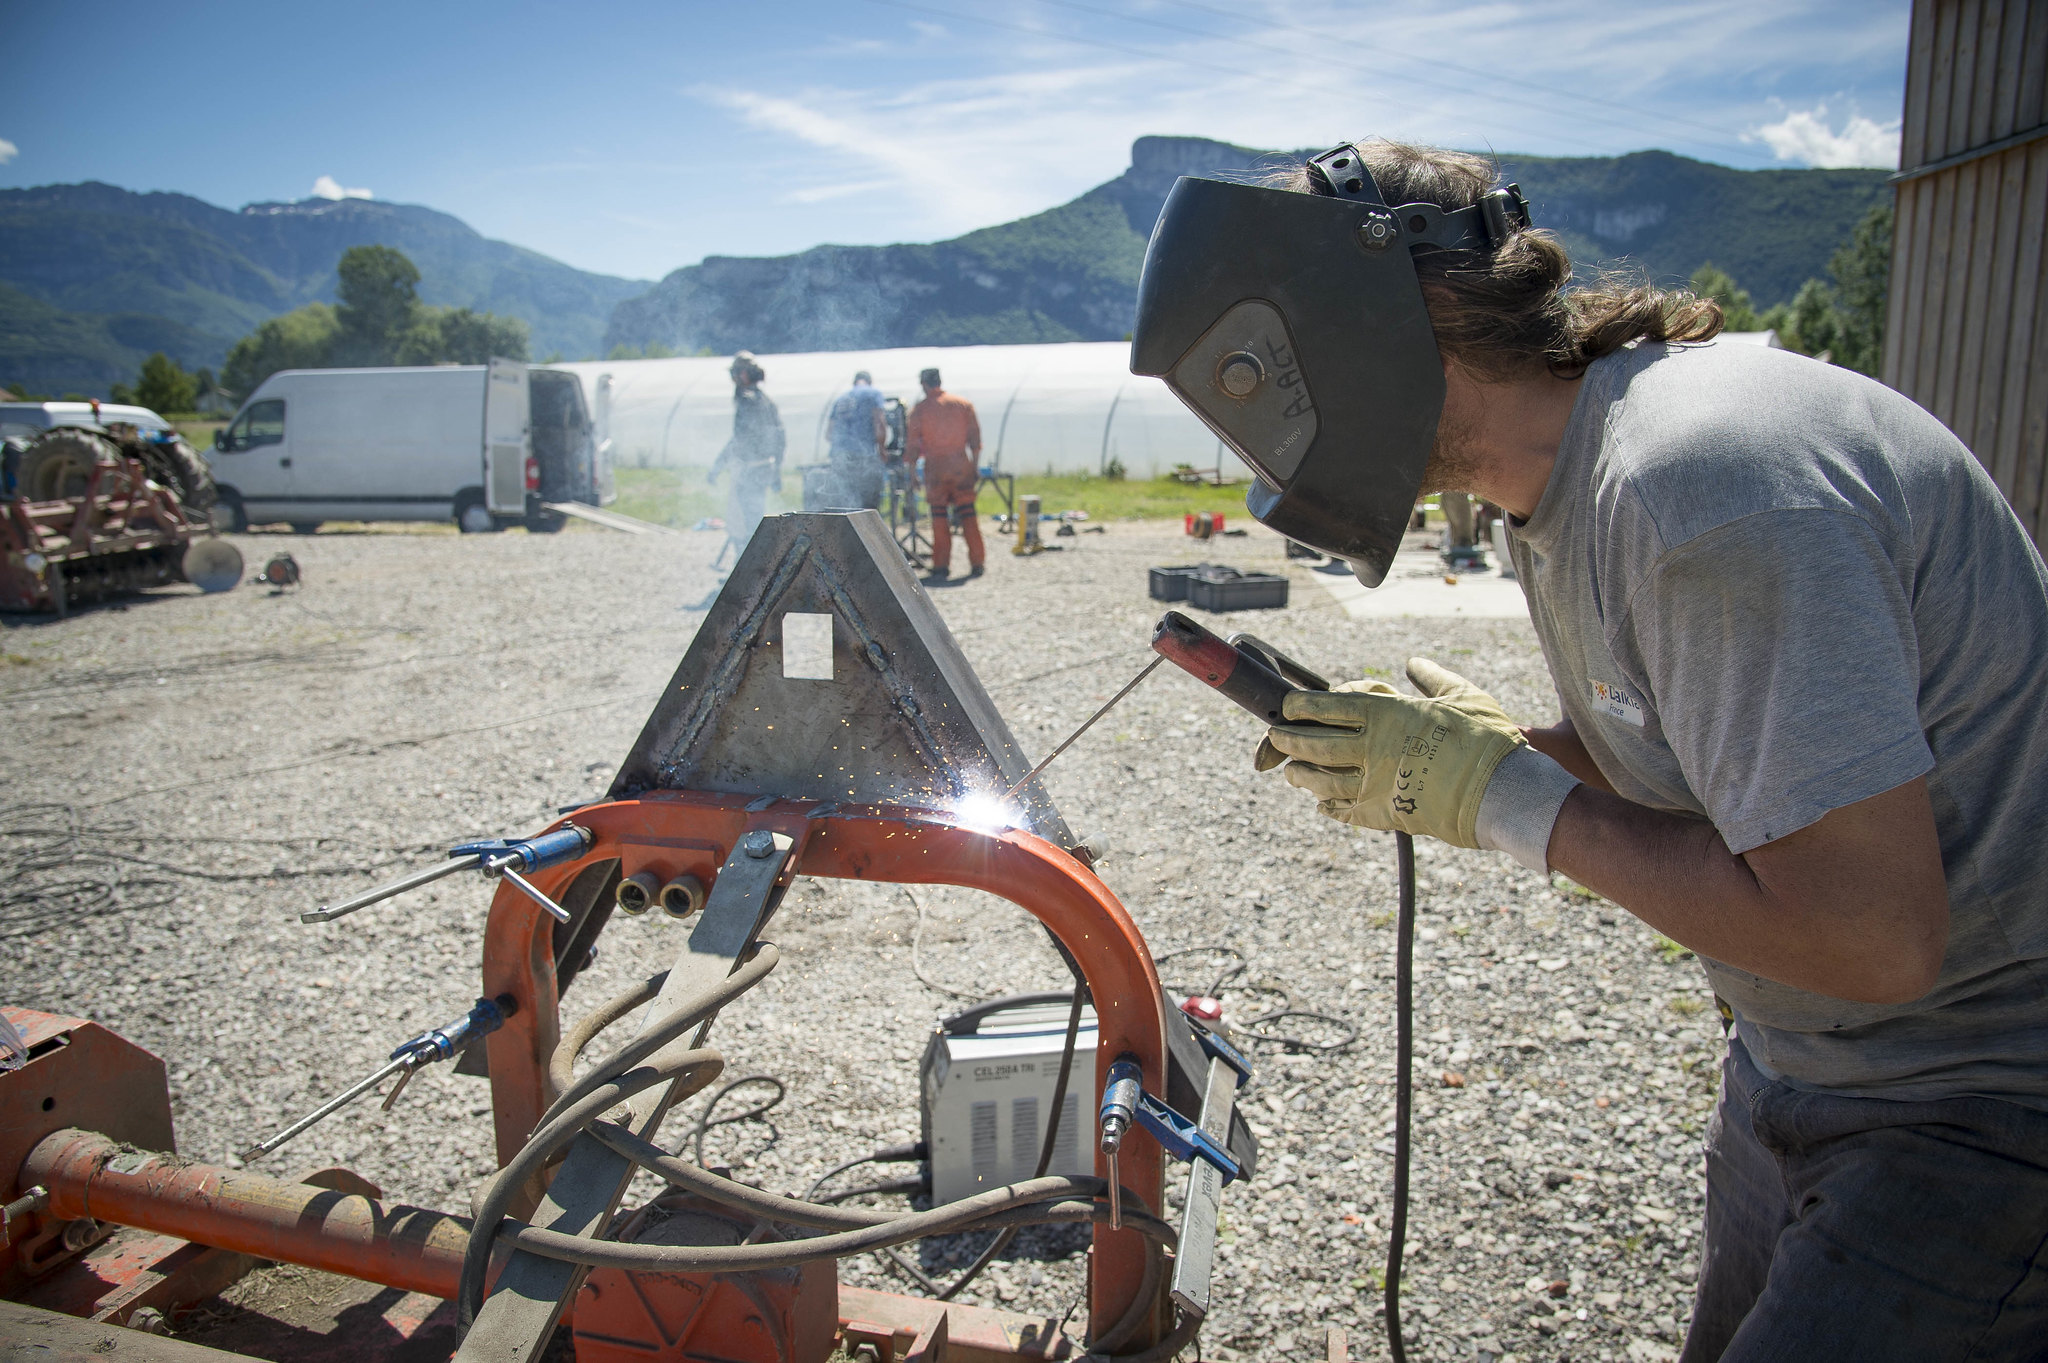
[{"x": 942, "y": 430}]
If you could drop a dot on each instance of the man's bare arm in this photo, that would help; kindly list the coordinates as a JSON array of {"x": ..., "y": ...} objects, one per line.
[
  {"x": 1561, "y": 744},
  {"x": 1854, "y": 906}
]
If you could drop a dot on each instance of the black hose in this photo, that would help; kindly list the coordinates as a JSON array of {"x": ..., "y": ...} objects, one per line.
[{"x": 1404, "y": 1067}]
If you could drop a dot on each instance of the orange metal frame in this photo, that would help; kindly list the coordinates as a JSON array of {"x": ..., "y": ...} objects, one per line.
[
  {"x": 674, "y": 833},
  {"x": 668, "y": 834}
]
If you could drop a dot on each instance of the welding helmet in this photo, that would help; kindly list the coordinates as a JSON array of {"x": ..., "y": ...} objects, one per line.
[{"x": 1293, "y": 325}]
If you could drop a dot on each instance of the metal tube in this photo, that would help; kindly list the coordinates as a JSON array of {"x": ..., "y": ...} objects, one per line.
[
  {"x": 410, "y": 1248},
  {"x": 384, "y": 892}
]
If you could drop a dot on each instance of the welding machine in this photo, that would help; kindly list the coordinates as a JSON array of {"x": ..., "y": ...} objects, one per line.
[{"x": 986, "y": 1081}]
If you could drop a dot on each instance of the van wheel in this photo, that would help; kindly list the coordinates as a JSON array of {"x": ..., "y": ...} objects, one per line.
[
  {"x": 228, "y": 514},
  {"x": 474, "y": 518}
]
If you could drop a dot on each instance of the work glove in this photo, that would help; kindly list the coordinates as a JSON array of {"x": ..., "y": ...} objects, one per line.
[{"x": 1376, "y": 758}]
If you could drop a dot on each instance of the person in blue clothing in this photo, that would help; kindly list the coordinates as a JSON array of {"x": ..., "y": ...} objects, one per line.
[{"x": 856, "y": 436}]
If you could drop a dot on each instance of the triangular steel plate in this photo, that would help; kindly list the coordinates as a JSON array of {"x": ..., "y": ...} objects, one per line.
[{"x": 895, "y": 717}]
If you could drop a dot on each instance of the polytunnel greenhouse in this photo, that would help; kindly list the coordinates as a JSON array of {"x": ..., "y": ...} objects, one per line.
[{"x": 1070, "y": 408}]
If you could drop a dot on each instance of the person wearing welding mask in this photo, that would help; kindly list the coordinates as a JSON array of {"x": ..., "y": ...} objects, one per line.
[
  {"x": 754, "y": 454},
  {"x": 943, "y": 431},
  {"x": 1798, "y": 638}
]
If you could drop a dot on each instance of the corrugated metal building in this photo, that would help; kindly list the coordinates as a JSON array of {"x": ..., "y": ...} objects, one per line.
[{"x": 1967, "y": 324}]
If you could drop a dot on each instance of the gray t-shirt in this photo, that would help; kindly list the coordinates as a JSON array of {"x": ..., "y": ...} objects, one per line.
[{"x": 1768, "y": 588}]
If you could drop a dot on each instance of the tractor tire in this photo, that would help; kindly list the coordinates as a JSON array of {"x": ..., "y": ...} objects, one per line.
[
  {"x": 178, "y": 466},
  {"x": 59, "y": 464}
]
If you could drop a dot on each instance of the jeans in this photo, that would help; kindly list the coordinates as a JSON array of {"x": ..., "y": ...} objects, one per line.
[{"x": 1867, "y": 1230}]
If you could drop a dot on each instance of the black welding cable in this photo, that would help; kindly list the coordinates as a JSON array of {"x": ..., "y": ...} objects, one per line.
[
  {"x": 702, "y": 1126},
  {"x": 1404, "y": 1067}
]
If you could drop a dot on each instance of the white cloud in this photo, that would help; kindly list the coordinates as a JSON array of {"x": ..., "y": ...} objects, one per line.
[
  {"x": 327, "y": 187},
  {"x": 1805, "y": 136},
  {"x": 8, "y": 151}
]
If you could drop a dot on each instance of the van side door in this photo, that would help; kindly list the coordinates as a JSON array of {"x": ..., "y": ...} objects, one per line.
[{"x": 508, "y": 440}]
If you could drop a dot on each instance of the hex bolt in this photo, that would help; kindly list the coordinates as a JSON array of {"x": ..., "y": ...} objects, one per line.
[
  {"x": 637, "y": 892},
  {"x": 149, "y": 1321},
  {"x": 682, "y": 896},
  {"x": 759, "y": 843}
]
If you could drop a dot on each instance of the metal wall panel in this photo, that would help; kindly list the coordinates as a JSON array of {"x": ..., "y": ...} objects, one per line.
[{"x": 1967, "y": 326}]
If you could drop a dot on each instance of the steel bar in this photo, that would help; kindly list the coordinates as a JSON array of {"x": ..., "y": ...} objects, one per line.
[
  {"x": 395, "y": 888},
  {"x": 325, "y": 1110},
  {"x": 556, "y": 911},
  {"x": 1194, "y": 1259}
]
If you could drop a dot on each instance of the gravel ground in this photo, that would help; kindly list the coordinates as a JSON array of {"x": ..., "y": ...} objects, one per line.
[{"x": 187, "y": 773}]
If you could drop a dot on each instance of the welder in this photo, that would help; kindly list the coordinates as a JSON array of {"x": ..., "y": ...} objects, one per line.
[
  {"x": 754, "y": 454},
  {"x": 944, "y": 432},
  {"x": 1797, "y": 637}
]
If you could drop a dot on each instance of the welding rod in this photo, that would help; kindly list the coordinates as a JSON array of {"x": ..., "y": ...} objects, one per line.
[
  {"x": 326, "y": 1109},
  {"x": 1086, "y": 725},
  {"x": 396, "y": 887}
]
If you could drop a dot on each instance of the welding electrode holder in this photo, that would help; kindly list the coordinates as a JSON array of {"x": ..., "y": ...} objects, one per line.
[{"x": 1248, "y": 672}]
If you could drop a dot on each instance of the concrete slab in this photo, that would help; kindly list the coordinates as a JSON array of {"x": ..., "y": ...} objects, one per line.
[{"x": 1419, "y": 585}]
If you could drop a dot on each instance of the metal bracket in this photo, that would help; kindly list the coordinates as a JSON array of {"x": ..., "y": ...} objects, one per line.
[
  {"x": 1185, "y": 1140},
  {"x": 524, "y": 1306}
]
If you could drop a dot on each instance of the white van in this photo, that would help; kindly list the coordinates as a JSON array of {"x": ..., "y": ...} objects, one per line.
[{"x": 485, "y": 445}]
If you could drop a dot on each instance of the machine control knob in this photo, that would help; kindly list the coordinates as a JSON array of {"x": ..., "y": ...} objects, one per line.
[{"x": 1239, "y": 374}]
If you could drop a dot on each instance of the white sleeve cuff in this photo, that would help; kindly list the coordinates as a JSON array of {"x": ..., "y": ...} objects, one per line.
[{"x": 1521, "y": 804}]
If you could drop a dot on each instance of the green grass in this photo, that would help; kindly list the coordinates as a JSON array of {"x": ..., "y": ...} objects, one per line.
[
  {"x": 681, "y": 497},
  {"x": 1148, "y": 499},
  {"x": 669, "y": 496}
]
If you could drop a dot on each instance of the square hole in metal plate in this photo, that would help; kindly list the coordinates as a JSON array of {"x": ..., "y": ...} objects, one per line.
[{"x": 807, "y": 646}]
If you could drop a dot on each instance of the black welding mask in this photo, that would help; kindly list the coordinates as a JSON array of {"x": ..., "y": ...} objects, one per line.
[{"x": 1293, "y": 325}]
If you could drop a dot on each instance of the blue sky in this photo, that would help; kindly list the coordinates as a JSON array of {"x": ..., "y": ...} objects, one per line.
[{"x": 633, "y": 138}]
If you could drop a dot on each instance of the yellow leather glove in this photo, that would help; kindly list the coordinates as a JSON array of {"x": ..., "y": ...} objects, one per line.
[{"x": 1379, "y": 759}]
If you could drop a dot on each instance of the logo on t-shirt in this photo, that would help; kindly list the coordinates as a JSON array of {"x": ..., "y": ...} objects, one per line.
[{"x": 1617, "y": 701}]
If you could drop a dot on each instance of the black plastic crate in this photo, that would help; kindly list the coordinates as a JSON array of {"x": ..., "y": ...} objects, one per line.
[
  {"x": 1229, "y": 590},
  {"x": 1171, "y": 583}
]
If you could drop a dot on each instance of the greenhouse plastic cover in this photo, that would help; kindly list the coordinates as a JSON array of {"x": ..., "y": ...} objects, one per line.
[{"x": 1070, "y": 408}]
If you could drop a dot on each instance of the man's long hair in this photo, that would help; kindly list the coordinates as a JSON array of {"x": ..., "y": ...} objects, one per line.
[{"x": 1501, "y": 312}]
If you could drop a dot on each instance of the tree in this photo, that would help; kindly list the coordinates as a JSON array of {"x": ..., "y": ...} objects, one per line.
[
  {"x": 459, "y": 336},
  {"x": 1738, "y": 312},
  {"x": 301, "y": 339},
  {"x": 1863, "y": 278},
  {"x": 379, "y": 294},
  {"x": 380, "y": 321},
  {"x": 163, "y": 386}
]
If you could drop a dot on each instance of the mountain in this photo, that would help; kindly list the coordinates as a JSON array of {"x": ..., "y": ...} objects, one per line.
[
  {"x": 1071, "y": 273},
  {"x": 118, "y": 274}
]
